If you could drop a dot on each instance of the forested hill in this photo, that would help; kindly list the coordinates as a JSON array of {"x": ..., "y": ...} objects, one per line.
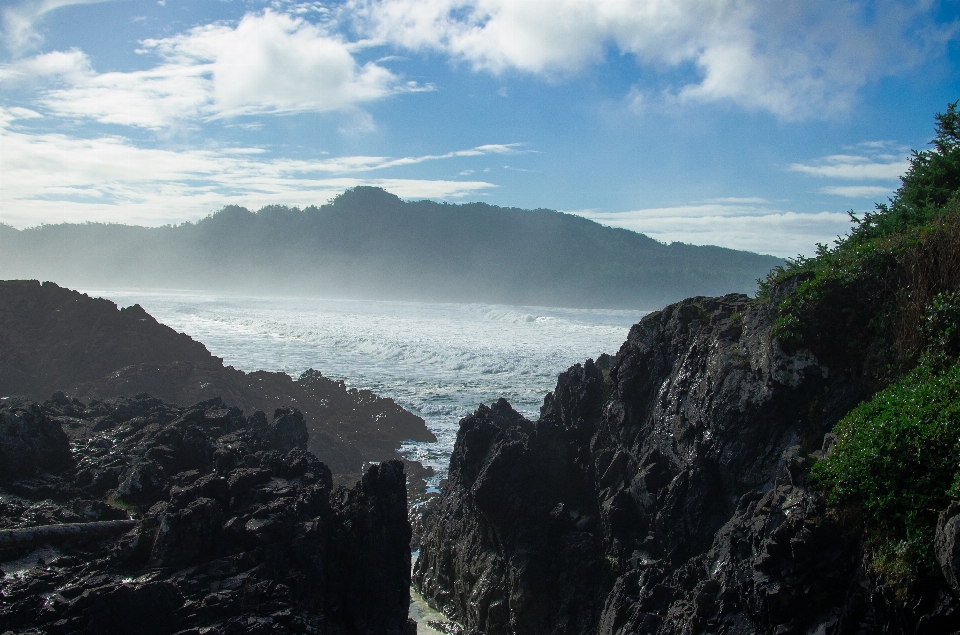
[{"x": 369, "y": 243}]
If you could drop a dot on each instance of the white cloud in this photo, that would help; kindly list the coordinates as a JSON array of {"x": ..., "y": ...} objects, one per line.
[
  {"x": 71, "y": 66},
  {"x": 272, "y": 62},
  {"x": 12, "y": 114},
  {"x": 845, "y": 166},
  {"x": 116, "y": 181},
  {"x": 859, "y": 191},
  {"x": 795, "y": 59},
  {"x": 20, "y": 22},
  {"x": 875, "y": 145},
  {"x": 762, "y": 230},
  {"x": 163, "y": 96},
  {"x": 267, "y": 63},
  {"x": 881, "y": 161}
]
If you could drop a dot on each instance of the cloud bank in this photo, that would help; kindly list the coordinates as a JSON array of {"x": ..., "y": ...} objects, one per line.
[
  {"x": 116, "y": 181},
  {"x": 797, "y": 60},
  {"x": 761, "y": 229}
]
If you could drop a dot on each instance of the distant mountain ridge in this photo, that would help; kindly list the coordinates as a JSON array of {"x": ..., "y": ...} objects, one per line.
[{"x": 369, "y": 243}]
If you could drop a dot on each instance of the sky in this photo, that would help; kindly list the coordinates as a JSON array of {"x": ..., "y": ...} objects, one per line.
[{"x": 748, "y": 124}]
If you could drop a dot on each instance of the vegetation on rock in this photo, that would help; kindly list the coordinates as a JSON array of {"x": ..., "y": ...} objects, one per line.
[
  {"x": 857, "y": 304},
  {"x": 883, "y": 304},
  {"x": 896, "y": 458}
]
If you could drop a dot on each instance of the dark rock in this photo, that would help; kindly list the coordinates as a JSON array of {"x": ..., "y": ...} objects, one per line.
[
  {"x": 231, "y": 533},
  {"x": 287, "y": 431},
  {"x": 56, "y": 533},
  {"x": 31, "y": 443},
  {"x": 149, "y": 608},
  {"x": 665, "y": 493},
  {"x": 947, "y": 545},
  {"x": 144, "y": 483}
]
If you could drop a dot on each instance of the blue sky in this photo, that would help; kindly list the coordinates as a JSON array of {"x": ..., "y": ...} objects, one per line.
[{"x": 753, "y": 125}]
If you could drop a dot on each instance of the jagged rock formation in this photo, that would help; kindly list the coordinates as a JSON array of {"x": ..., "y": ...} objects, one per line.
[
  {"x": 236, "y": 528},
  {"x": 663, "y": 492},
  {"x": 57, "y": 339}
]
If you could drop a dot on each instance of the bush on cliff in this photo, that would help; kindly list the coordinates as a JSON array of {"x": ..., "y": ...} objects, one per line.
[
  {"x": 896, "y": 460},
  {"x": 857, "y": 304},
  {"x": 883, "y": 304}
]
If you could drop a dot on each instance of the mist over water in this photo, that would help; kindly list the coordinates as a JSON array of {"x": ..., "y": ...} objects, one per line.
[{"x": 437, "y": 360}]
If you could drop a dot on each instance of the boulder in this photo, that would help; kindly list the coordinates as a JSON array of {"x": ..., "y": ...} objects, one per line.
[
  {"x": 31, "y": 443},
  {"x": 947, "y": 545}
]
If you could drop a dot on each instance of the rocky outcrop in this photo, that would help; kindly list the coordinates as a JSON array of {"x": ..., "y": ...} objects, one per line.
[
  {"x": 236, "y": 529},
  {"x": 663, "y": 492},
  {"x": 55, "y": 339}
]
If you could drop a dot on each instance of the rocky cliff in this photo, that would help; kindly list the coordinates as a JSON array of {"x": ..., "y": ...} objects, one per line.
[
  {"x": 662, "y": 491},
  {"x": 53, "y": 339},
  {"x": 135, "y": 516}
]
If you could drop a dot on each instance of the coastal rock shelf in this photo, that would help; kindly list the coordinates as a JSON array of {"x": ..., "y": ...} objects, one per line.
[
  {"x": 53, "y": 339},
  {"x": 136, "y": 516},
  {"x": 662, "y": 491}
]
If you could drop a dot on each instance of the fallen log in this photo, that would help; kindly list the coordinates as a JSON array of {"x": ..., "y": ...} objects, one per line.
[{"x": 68, "y": 532}]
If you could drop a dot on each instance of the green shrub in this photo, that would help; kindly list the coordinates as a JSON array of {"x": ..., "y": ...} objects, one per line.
[
  {"x": 941, "y": 326},
  {"x": 883, "y": 303},
  {"x": 896, "y": 459},
  {"x": 896, "y": 463}
]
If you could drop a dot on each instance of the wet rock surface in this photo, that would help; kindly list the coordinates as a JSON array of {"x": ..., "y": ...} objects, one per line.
[
  {"x": 56, "y": 339},
  {"x": 236, "y": 527},
  {"x": 662, "y": 491}
]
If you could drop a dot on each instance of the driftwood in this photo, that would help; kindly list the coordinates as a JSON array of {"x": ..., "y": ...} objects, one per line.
[{"x": 69, "y": 532}]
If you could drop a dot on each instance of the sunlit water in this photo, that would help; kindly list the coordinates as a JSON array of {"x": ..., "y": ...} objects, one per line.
[{"x": 437, "y": 360}]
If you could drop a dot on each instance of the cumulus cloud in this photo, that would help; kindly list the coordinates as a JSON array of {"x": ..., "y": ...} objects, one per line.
[
  {"x": 274, "y": 62},
  {"x": 118, "y": 181},
  {"x": 758, "y": 229},
  {"x": 797, "y": 60},
  {"x": 267, "y": 63}
]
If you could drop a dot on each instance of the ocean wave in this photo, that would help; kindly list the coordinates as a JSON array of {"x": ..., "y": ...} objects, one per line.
[
  {"x": 438, "y": 360},
  {"x": 502, "y": 315}
]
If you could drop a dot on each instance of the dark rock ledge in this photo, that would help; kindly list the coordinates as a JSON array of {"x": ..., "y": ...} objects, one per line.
[
  {"x": 235, "y": 527},
  {"x": 662, "y": 491}
]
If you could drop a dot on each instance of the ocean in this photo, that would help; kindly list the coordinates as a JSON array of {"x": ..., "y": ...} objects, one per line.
[{"x": 439, "y": 361}]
